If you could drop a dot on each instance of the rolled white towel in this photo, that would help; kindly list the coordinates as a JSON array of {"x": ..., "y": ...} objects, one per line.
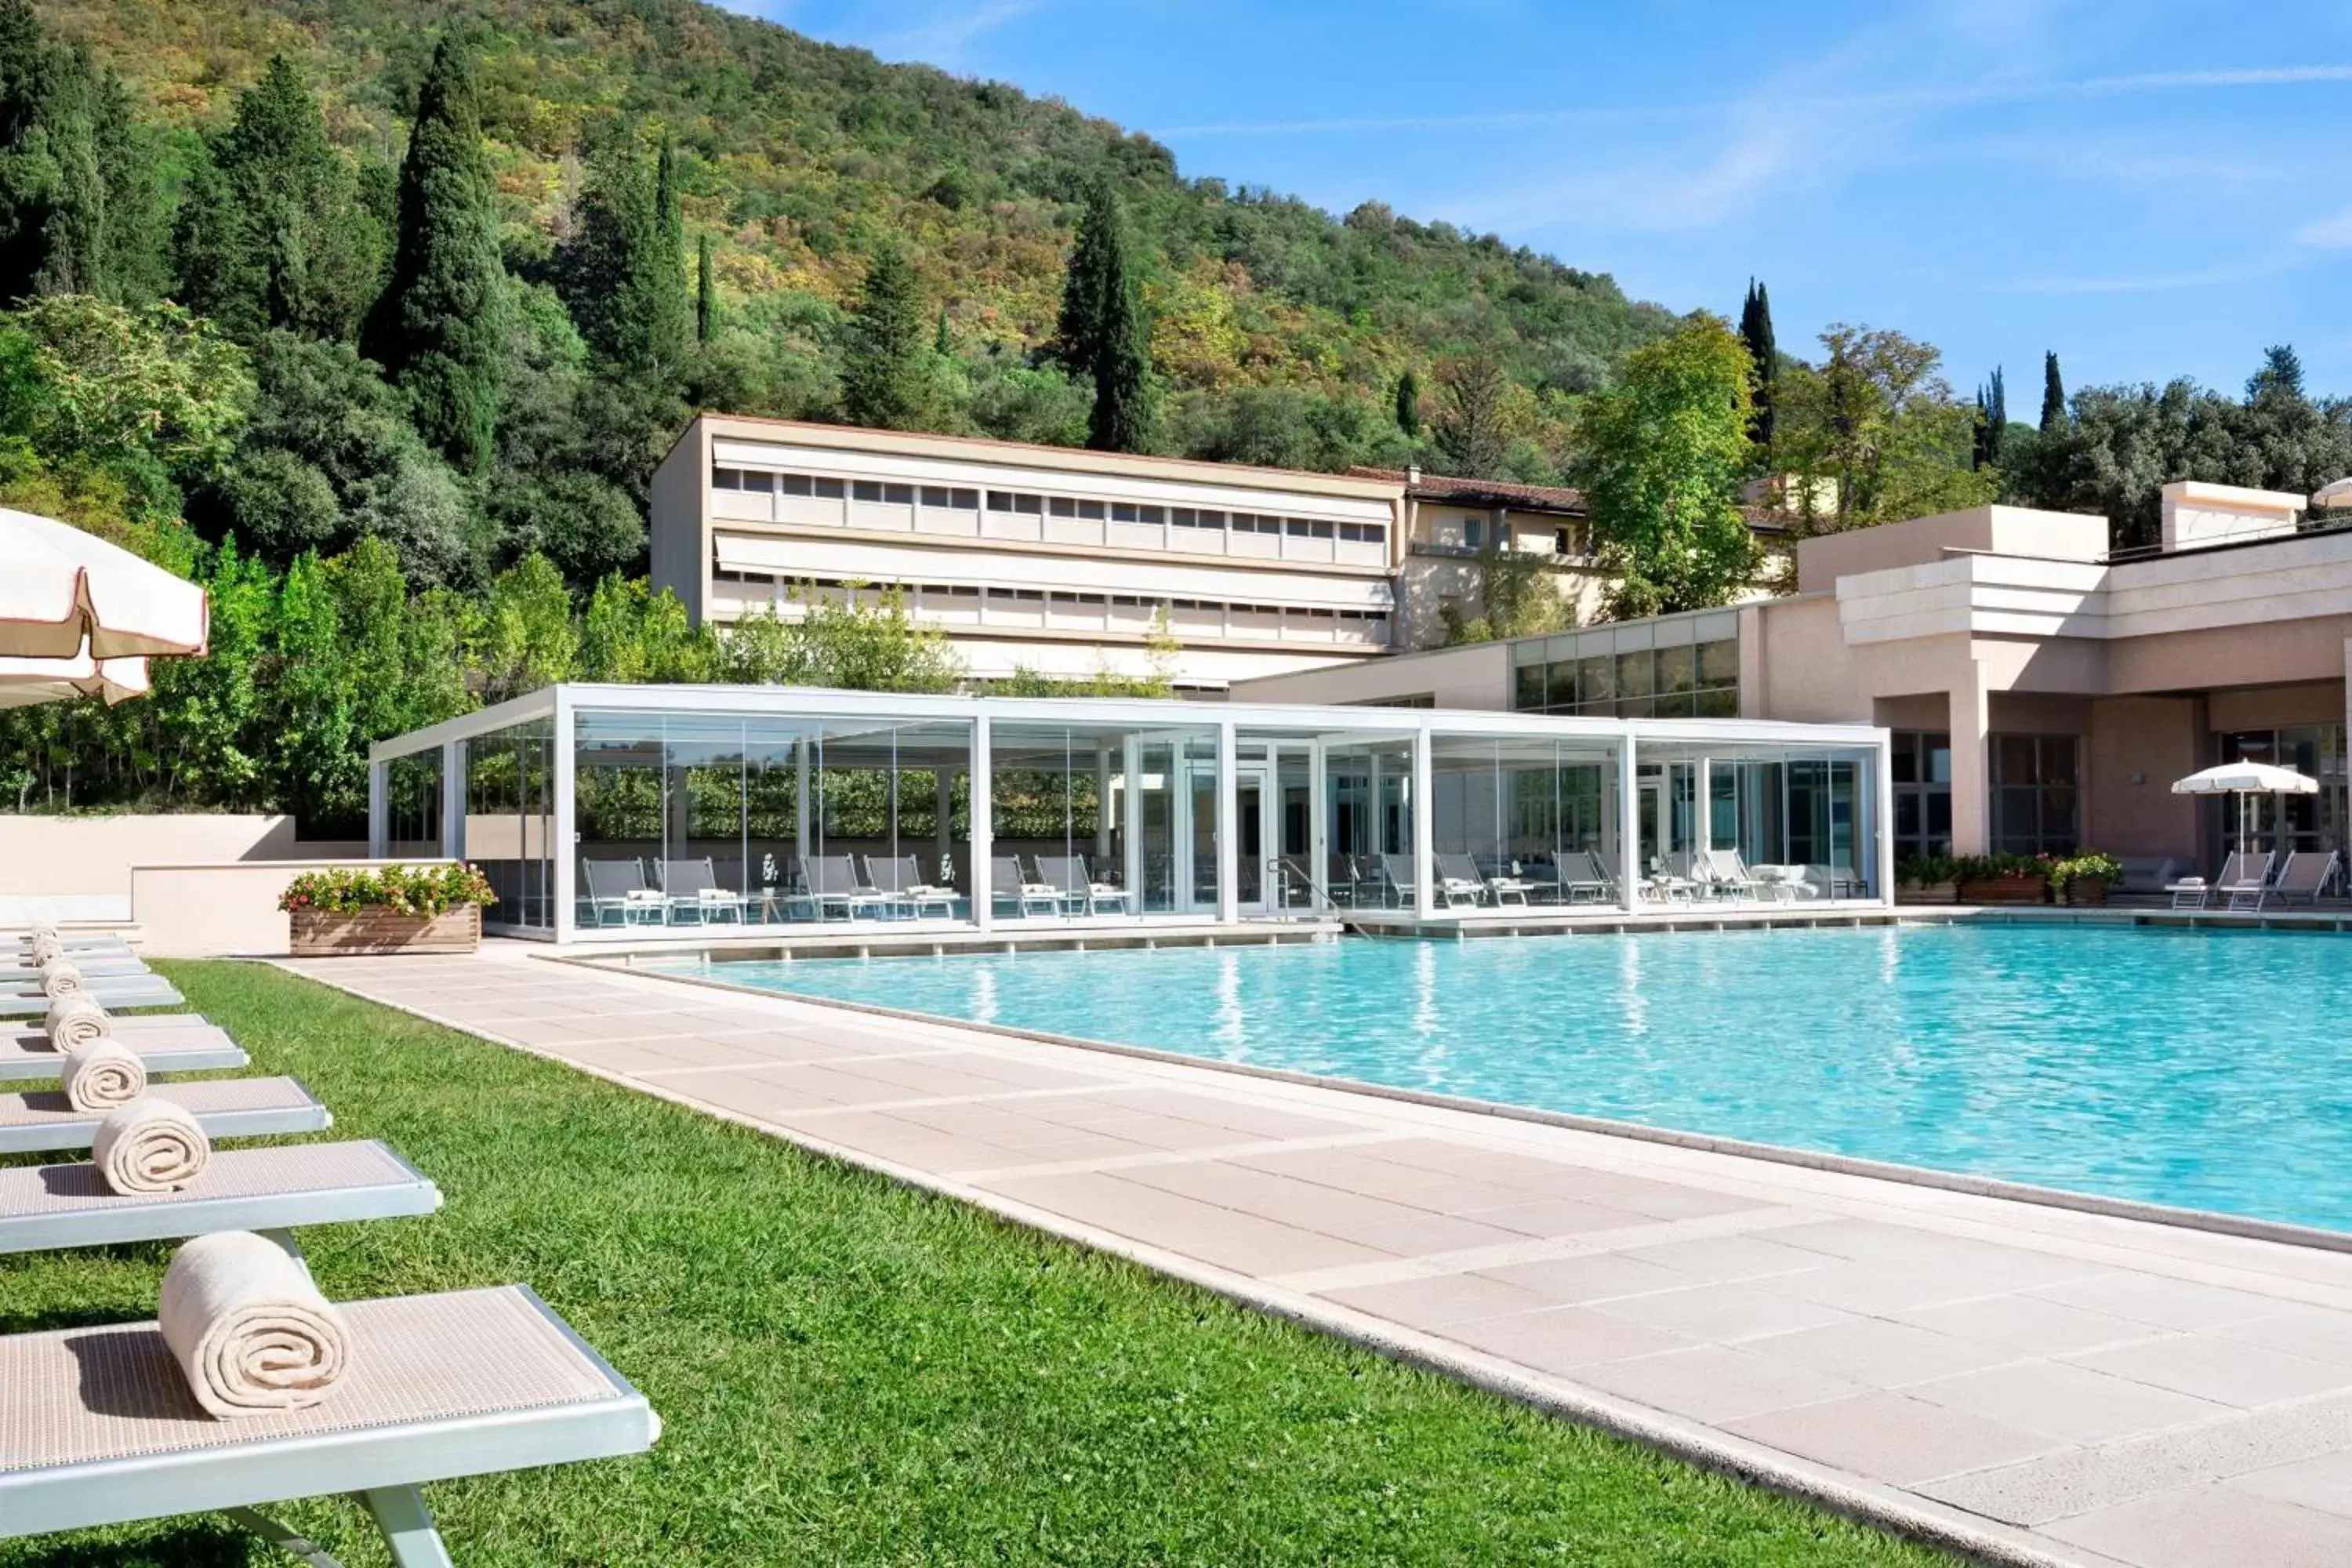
[
  {"x": 102, "y": 1075},
  {"x": 76, "y": 1021},
  {"x": 41, "y": 928},
  {"x": 60, "y": 978},
  {"x": 249, "y": 1330},
  {"x": 45, "y": 948},
  {"x": 150, "y": 1145}
]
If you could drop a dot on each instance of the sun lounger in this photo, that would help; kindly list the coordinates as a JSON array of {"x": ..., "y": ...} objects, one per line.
[
  {"x": 832, "y": 883},
  {"x": 1498, "y": 887},
  {"x": 618, "y": 894},
  {"x": 1075, "y": 887},
  {"x": 2304, "y": 874},
  {"x": 899, "y": 879},
  {"x": 102, "y": 1429},
  {"x": 1727, "y": 873},
  {"x": 1454, "y": 892},
  {"x": 1582, "y": 877},
  {"x": 1008, "y": 883},
  {"x": 151, "y": 991},
  {"x": 2246, "y": 876},
  {"x": 44, "y": 1207},
  {"x": 692, "y": 888},
  {"x": 198, "y": 1048},
  {"x": 36, "y": 1120},
  {"x": 24, "y": 971},
  {"x": 155, "y": 1027}
]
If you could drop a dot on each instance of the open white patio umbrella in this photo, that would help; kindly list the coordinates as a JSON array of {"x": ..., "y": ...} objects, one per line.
[
  {"x": 66, "y": 594},
  {"x": 2244, "y": 779},
  {"x": 25, "y": 682}
]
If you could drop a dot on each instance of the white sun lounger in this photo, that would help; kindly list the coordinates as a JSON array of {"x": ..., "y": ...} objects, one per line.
[
  {"x": 274, "y": 1190},
  {"x": 79, "y": 941},
  {"x": 145, "y": 1026},
  {"x": 199, "y": 1047},
  {"x": 22, "y": 972},
  {"x": 38, "y": 1120},
  {"x": 109, "y": 993},
  {"x": 96, "y": 1425}
]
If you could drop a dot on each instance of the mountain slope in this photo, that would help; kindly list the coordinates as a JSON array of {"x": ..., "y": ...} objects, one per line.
[{"x": 800, "y": 154}]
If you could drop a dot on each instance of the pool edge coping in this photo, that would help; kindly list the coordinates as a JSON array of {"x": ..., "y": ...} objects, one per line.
[
  {"x": 2209, "y": 1221},
  {"x": 1877, "y": 1505}
]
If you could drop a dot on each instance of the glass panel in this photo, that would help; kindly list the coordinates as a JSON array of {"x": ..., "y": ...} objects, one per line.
[
  {"x": 1718, "y": 663},
  {"x": 510, "y": 820},
  {"x": 1635, "y": 674},
  {"x": 413, "y": 804},
  {"x": 1596, "y": 681},
  {"x": 1527, "y": 687},
  {"x": 1677, "y": 670}
]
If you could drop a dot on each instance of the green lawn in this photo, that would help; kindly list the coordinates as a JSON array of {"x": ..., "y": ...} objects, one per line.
[{"x": 852, "y": 1371}]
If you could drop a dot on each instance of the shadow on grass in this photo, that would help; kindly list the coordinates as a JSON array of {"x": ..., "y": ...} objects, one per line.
[{"x": 194, "y": 1546}]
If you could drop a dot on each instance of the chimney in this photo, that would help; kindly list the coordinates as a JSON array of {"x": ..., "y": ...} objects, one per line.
[
  {"x": 2198, "y": 516},
  {"x": 1413, "y": 473}
]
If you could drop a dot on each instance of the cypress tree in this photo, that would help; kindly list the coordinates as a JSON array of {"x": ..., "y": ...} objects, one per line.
[
  {"x": 622, "y": 275},
  {"x": 1992, "y": 422},
  {"x": 27, "y": 175},
  {"x": 1755, "y": 333},
  {"x": 2053, "y": 395},
  {"x": 272, "y": 232},
  {"x": 1408, "y": 404},
  {"x": 943, "y": 341},
  {"x": 1102, "y": 330},
  {"x": 438, "y": 328},
  {"x": 706, "y": 303},
  {"x": 882, "y": 372},
  {"x": 77, "y": 195}
]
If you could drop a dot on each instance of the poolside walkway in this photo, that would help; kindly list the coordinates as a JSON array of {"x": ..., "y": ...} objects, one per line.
[{"x": 2037, "y": 1384}]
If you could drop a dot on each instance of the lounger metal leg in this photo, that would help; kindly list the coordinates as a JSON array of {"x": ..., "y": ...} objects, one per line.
[
  {"x": 407, "y": 1525},
  {"x": 299, "y": 1547},
  {"x": 288, "y": 1245}
]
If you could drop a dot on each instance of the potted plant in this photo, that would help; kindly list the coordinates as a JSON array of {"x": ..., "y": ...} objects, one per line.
[
  {"x": 1926, "y": 880},
  {"x": 2003, "y": 878},
  {"x": 2084, "y": 877},
  {"x": 389, "y": 908}
]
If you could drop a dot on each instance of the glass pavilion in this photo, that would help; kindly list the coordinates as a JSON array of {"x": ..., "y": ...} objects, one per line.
[{"x": 619, "y": 813}]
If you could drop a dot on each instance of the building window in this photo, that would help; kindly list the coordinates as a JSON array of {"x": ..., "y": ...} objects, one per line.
[
  {"x": 1364, "y": 532},
  {"x": 866, "y": 490},
  {"x": 829, "y": 489},
  {"x": 1474, "y": 533},
  {"x": 1923, "y": 792},
  {"x": 726, "y": 480},
  {"x": 2282, "y": 824},
  {"x": 2036, "y": 797}
]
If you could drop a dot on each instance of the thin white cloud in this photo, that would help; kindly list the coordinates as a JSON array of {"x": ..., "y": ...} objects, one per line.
[
  {"x": 2331, "y": 233},
  {"x": 944, "y": 39},
  {"x": 1997, "y": 89}
]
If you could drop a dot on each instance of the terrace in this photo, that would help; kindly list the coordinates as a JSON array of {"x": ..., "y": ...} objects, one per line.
[{"x": 704, "y": 814}]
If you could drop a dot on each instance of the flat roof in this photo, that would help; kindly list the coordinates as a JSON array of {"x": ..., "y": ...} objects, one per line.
[
  {"x": 1304, "y": 720},
  {"x": 1072, "y": 460}
]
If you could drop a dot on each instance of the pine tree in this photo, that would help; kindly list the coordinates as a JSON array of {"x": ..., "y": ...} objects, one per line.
[
  {"x": 1102, "y": 331},
  {"x": 882, "y": 372},
  {"x": 2053, "y": 395},
  {"x": 1408, "y": 404},
  {"x": 438, "y": 327},
  {"x": 706, "y": 303},
  {"x": 1755, "y": 333}
]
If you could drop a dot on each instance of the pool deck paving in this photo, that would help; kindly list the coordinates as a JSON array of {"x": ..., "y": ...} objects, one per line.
[{"x": 2025, "y": 1383}]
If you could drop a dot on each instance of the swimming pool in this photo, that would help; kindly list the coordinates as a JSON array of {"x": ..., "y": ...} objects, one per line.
[{"x": 2201, "y": 1068}]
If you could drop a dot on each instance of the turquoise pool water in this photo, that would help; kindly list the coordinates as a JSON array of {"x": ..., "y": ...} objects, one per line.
[{"x": 2201, "y": 1068}]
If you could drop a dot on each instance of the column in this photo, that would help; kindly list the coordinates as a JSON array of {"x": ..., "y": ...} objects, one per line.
[
  {"x": 1102, "y": 799},
  {"x": 1629, "y": 827},
  {"x": 1132, "y": 810},
  {"x": 801, "y": 806},
  {"x": 564, "y": 826},
  {"x": 945, "y": 810},
  {"x": 1880, "y": 766},
  {"x": 1229, "y": 861},
  {"x": 379, "y": 810},
  {"x": 1424, "y": 829},
  {"x": 1318, "y": 832},
  {"x": 452, "y": 800},
  {"x": 983, "y": 833},
  {"x": 1971, "y": 721}
]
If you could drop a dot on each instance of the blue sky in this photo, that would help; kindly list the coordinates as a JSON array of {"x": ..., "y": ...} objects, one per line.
[{"x": 2151, "y": 189}]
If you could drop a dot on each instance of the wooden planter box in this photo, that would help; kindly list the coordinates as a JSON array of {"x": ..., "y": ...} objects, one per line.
[
  {"x": 2005, "y": 891},
  {"x": 320, "y": 934},
  {"x": 1927, "y": 893},
  {"x": 2089, "y": 892}
]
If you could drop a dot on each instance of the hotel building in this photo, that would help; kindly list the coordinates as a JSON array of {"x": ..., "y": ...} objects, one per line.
[{"x": 2042, "y": 692}]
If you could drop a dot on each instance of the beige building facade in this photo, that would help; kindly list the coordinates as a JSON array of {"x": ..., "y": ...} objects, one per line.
[{"x": 2043, "y": 693}]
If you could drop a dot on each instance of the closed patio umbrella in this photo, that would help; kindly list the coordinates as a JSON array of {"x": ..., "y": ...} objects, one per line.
[
  {"x": 66, "y": 594},
  {"x": 2242, "y": 779}
]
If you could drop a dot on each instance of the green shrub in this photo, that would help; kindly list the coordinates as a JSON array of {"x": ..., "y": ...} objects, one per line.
[{"x": 403, "y": 889}]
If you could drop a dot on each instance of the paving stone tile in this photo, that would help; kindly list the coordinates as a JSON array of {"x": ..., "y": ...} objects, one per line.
[
  {"x": 1589, "y": 1276},
  {"x": 2323, "y": 1483},
  {"x": 1553, "y": 1216},
  {"x": 2070, "y": 1402},
  {"x": 2227, "y": 1370},
  {"x": 2322, "y": 1333},
  {"x": 2213, "y": 1527},
  {"x": 2154, "y": 1298},
  {"x": 1715, "y": 1382},
  {"x": 1445, "y": 1299},
  {"x": 1562, "y": 1338},
  {"x": 1230, "y": 1240},
  {"x": 1891, "y": 1437},
  {"x": 2027, "y": 1325},
  {"x": 1877, "y": 1353},
  {"x": 1725, "y": 1258},
  {"x": 1723, "y": 1313}
]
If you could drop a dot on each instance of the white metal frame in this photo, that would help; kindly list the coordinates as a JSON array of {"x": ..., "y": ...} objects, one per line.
[{"x": 1282, "y": 725}]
